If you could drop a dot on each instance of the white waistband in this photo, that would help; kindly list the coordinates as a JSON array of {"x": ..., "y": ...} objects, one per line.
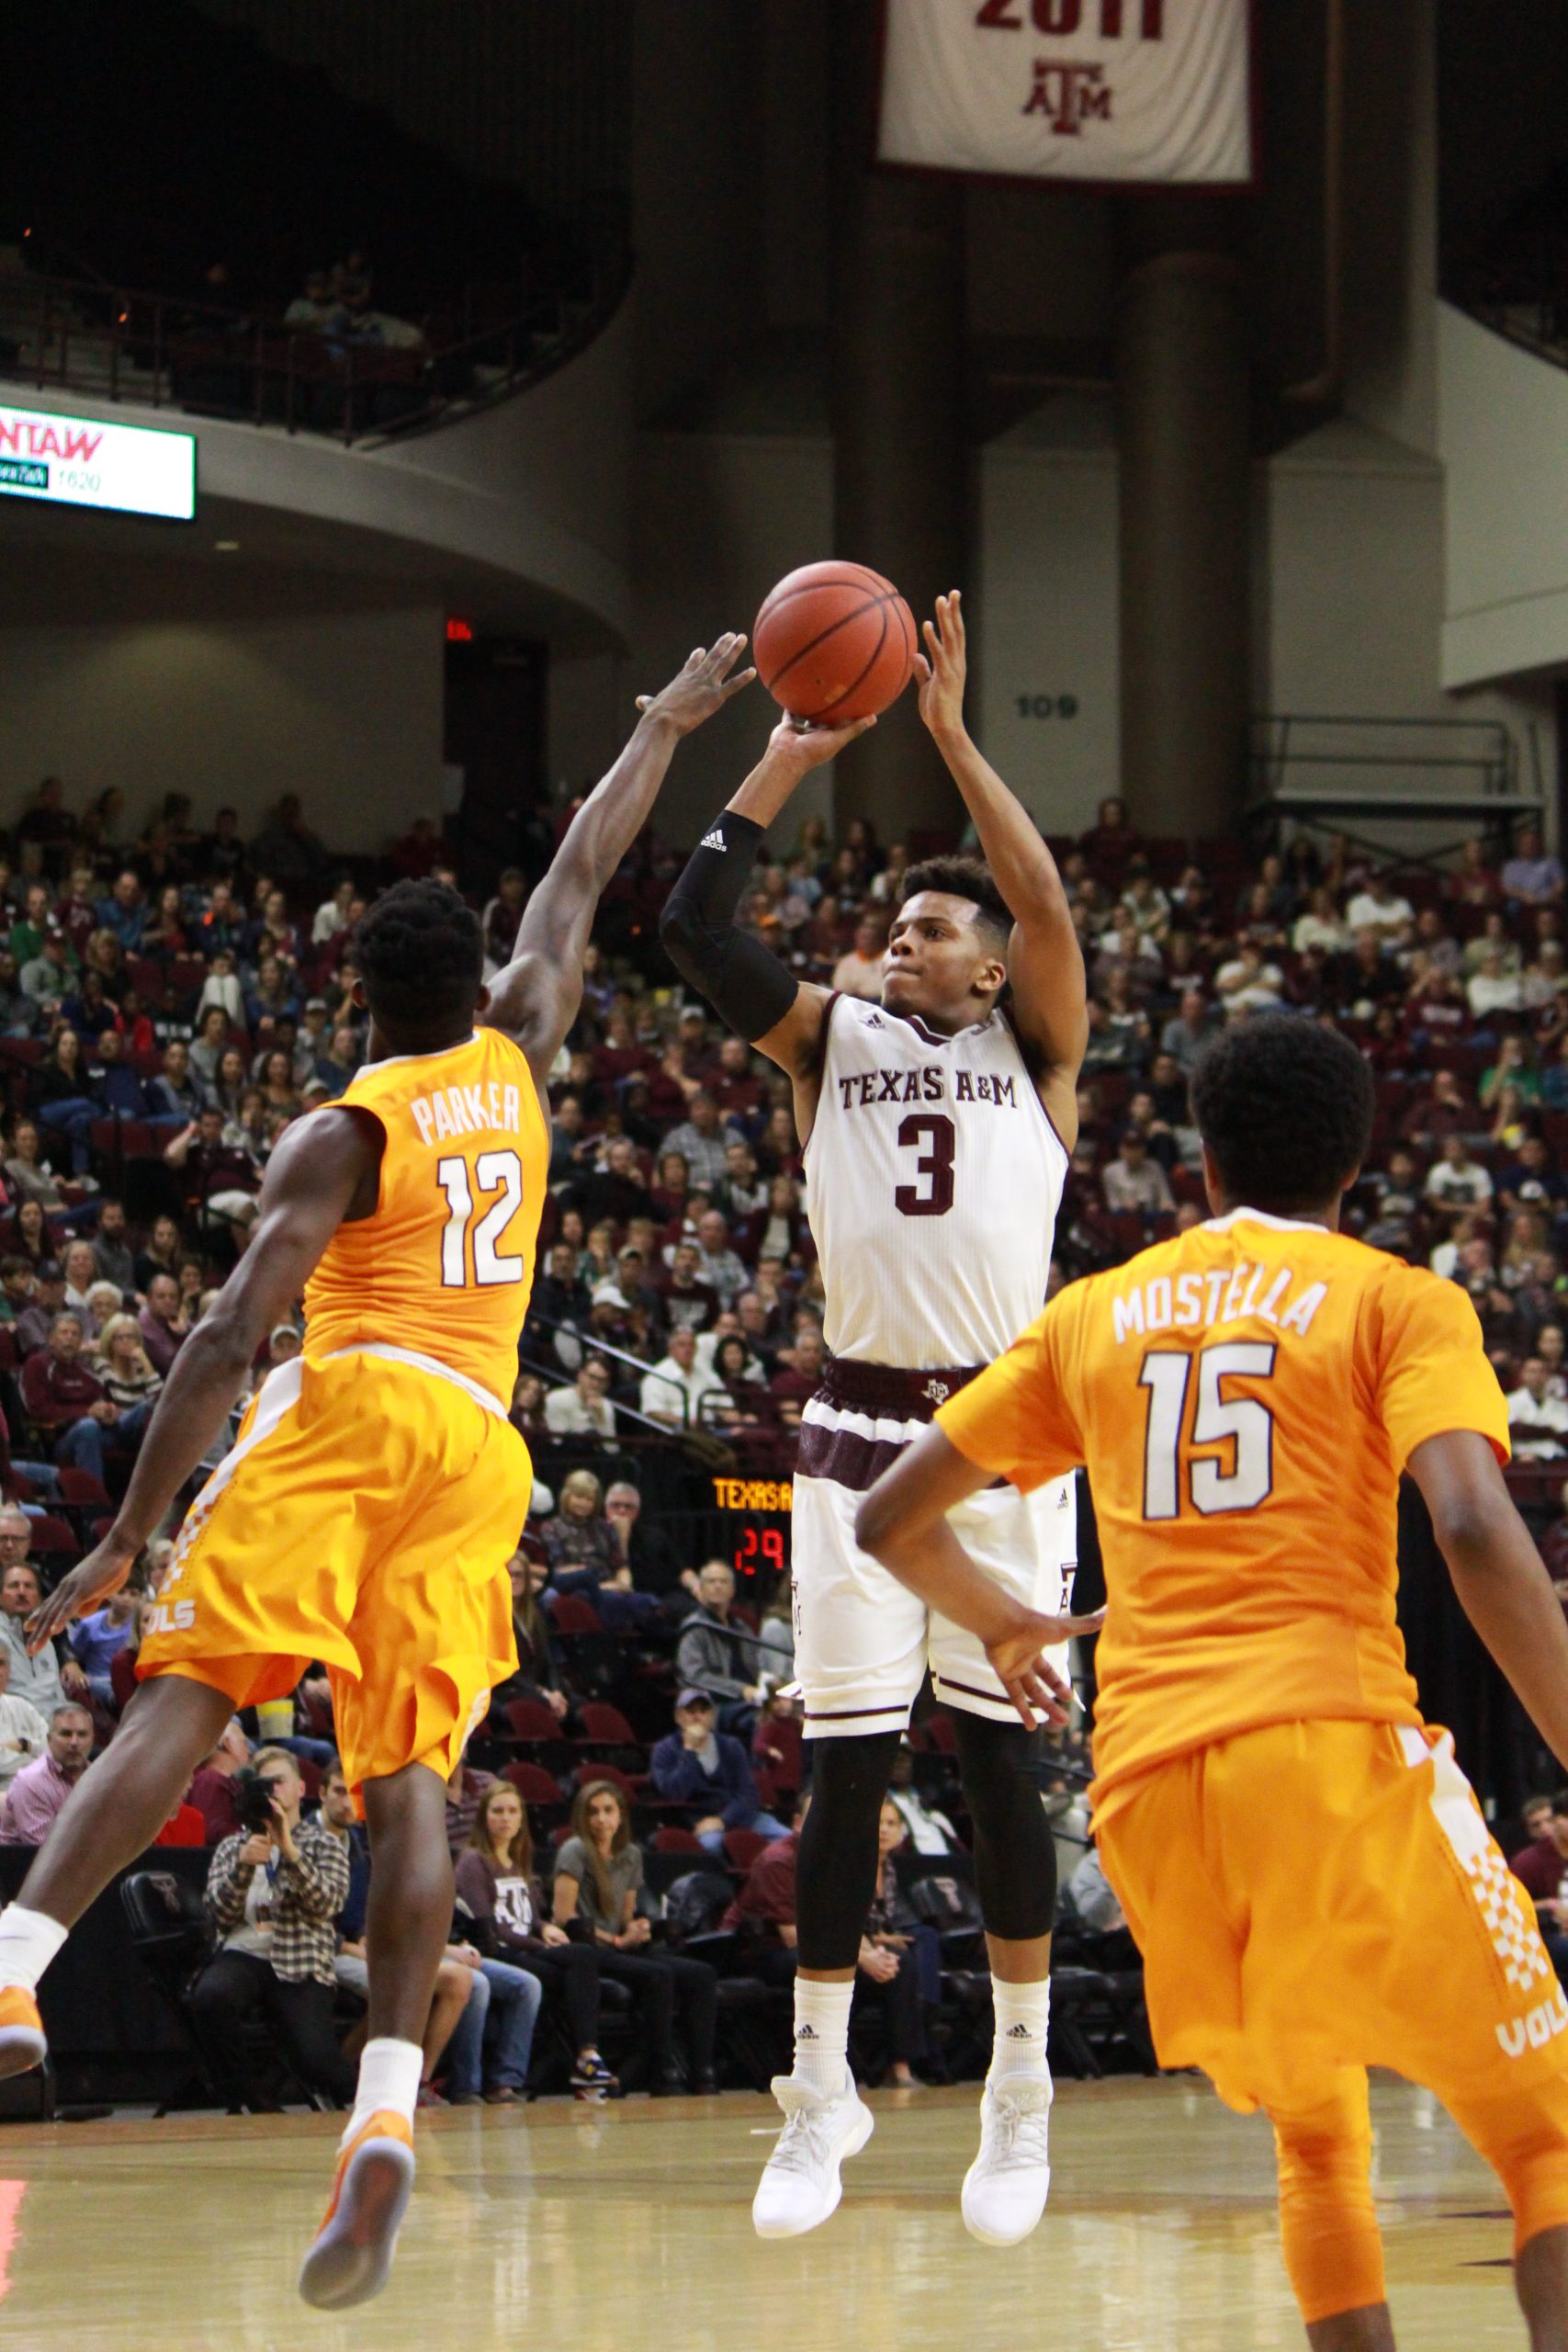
[{"x": 432, "y": 1364}]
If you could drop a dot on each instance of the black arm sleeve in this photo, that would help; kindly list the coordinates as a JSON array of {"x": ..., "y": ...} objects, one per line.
[{"x": 744, "y": 982}]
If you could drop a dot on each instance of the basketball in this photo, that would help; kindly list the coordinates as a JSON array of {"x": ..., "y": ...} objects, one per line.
[{"x": 834, "y": 642}]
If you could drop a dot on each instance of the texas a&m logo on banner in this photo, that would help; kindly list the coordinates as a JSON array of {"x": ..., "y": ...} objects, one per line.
[{"x": 1130, "y": 90}]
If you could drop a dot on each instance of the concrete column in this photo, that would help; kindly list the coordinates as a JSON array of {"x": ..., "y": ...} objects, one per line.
[
  {"x": 1182, "y": 364},
  {"x": 900, "y": 443}
]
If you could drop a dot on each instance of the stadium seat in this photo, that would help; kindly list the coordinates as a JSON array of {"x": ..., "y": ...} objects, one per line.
[
  {"x": 743, "y": 1846},
  {"x": 533, "y": 1784},
  {"x": 572, "y": 1614},
  {"x": 672, "y": 1840},
  {"x": 531, "y": 1723},
  {"x": 54, "y": 1536},
  {"x": 82, "y": 1490},
  {"x": 604, "y": 1725}
]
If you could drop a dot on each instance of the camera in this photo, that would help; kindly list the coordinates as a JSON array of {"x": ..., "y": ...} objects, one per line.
[{"x": 252, "y": 1803}]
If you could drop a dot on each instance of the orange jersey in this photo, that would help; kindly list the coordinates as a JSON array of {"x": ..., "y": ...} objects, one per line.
[
  {"x": 444, "y": 1266},
  {"x": 1245, "y": 1398}
]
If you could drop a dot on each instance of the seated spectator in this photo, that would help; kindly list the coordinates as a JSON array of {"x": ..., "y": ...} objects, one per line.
[
  {"x": 1135, "y": 1181},
  {"x": 539, "y": 1671},
  {"x": 1530, "y": 878},
  {"x": 1493, "y": 989},
  {"x": 78, "y": 1268},
  {"x": 584, "y": 1409},
  {"x": 1532, "y": 1182},
  {"x": 687, "y": 1303},
  {"x": 799, "y": 1373},
  {"x": 765, "y": 1905},
  {"x": 64, "y": 1399},
  {"x": 176, "y": 1094},
  {"x": 698, "y": 1764},
  {"x": 736, "y": 1400},
  {"x": 38, "y": 1789},
  {"x": 29, "y": 1176},
  {"x": 24, "y": 1734},
  {"x": 717, "y": 1264},
  {"x": 928, "y": 1830},
  {"x": 212, "y": 1783},
  {"x": 1089, "y": 1899},
  {"x": 162, "y": 1322},
  {"x": 718, "y": 1656},
  {"x": 1248, "y": 984},
  {"x": 97, "y": 1640},
  {"x": 527, "y": 1413},
  {"x": 1541, "y": 1868},
  {"x": 1455, "y": 1182},
  {"x": 859, "y": 973},
  {"x": 702, "y": 1140},
  {"x": 273, "y": 1896},
  {"x": 598, "y": 1875},
  {"x": 1378, "y": 907},
  {"x": 1537, "y": 1419},
  {"x": 899, "y": 1966},
  {"x": 498, "y": 1891},
  {"x": 673, "y": 1391},
  {"x": 647, "y": 1553},
  {"x": 159, "y": 1255},
  {"x": 46, "y": 1681},
  {"x": 585, "y": 1556}
]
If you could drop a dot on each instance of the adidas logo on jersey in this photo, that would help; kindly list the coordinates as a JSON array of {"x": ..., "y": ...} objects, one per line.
[
  {"x": 715, "y": 840},
  {"x": 874, "y": 1021}
]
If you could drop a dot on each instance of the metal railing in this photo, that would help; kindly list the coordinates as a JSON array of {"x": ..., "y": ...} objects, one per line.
[
  {"x": 1376, "y": 758},
  {"x": 112, "y": 343},
  {"x": 1517, "y": 286}
]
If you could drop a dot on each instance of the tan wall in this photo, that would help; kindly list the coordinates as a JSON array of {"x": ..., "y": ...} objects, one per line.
[{"x": 344, "y": 708}]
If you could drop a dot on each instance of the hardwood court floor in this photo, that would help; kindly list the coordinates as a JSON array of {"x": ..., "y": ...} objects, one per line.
[{"x": 583, "y": 2229}]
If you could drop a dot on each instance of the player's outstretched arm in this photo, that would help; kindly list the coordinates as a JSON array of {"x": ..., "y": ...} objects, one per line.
[
  {"x": 744, "y": 982},
  {"x": 1499, "y": 1576},
  {"x": 322, "y": 1168},
  {"x": 903, "y": 1522},
  {"x": 1045, "y": 960},
  {"x": 535, "y": 999}
]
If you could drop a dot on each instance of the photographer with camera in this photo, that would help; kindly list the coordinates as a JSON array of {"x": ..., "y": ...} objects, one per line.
[{"x": 273, "y": 1894}]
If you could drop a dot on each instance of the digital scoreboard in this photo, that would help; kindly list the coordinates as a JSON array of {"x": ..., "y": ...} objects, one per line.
[
  {"x": 758, "y": 1513},
  {"x": 82, "y": 461}
]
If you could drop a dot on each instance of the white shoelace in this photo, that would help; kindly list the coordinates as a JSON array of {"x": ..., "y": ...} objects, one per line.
[
  {"x": 1017, "y": 2137},
  {"x": 801, "y": 2146}
]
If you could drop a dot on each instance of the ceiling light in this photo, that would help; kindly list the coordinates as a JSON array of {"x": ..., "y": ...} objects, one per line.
[{"x": 226, "y": 546}]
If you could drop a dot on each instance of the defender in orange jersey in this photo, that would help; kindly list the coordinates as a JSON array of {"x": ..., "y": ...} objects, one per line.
[
  {"x": 367, "y": 1511},
  {"x": 1245, "y": 1398}
]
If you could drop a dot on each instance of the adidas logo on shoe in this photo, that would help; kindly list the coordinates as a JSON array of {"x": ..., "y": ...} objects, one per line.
[{"x": 715, "y": 840}]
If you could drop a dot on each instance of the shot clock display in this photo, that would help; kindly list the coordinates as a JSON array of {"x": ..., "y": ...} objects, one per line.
[{"x": 759, "y": 1511}]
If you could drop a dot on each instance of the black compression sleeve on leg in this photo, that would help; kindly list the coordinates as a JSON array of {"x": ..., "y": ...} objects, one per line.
[
  {"x": 746, "y": 985},
  {"x": 836, "y": 1876},
  {"x": 1015, "y": 1856}
]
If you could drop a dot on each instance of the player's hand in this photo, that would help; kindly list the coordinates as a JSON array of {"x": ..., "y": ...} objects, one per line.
[
  {"x": 1033, "y": 1683},
  {"x": 796, "y": 746},
  {"x": 703, "y": 686},
  {"x": 943, "y": 668},
  {"x": 103, "y": 1571}
]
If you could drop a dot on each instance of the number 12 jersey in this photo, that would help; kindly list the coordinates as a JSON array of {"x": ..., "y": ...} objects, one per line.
[
  {"x": 934, "y": 1177},
  {"x": 443, "y": 1265}
]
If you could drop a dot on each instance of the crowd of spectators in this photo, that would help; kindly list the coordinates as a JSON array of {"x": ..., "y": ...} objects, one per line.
[{"x": 171, "y": 1000}]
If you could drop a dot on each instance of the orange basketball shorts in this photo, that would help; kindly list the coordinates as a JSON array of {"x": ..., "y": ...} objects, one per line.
[
  {"x": 365, "y": 1517},
  {"x": 1311, "y": 1895}
]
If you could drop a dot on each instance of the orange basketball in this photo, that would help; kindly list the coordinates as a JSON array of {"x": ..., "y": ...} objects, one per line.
[{"x": 834, "y": 641}]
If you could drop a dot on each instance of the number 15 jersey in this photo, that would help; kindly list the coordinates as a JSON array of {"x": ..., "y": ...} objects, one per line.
[
  {"x": 934, "y": 1177},
  {"x": 1244, "y": 1398},
  {"x": 443, "y": 1265}
]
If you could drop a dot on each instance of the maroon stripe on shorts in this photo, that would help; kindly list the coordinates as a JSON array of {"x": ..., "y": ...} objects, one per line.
[
  {"x": 849, "y": 1460},
  {"x": 890, "y": 1390}
]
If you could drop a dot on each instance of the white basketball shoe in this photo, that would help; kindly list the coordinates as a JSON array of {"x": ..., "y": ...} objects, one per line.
[
  {"x": 1005, "y": 2186},
  {"x": 800, "y": 2185}
]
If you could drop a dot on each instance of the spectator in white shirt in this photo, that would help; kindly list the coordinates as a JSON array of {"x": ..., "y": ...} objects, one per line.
[
  {"x": 584, "y": 1409},
  {"x": 1530, "y": 877},
  {"x": 1495, "y": 988},
  {"x": 23, "y": 1731},
  {"x": 1537, "y": 1419},
  {"x": 673, "y": 1391},
  {"x": 1457, "y": 1181},
  {"x": 1377, "y": 909},
  {"x": 1135, "y": 1180},
  {"x": 718, "y": 1265},
  {"x": 1321, "y": 926},
  {"x": 1246, "y": 984}
]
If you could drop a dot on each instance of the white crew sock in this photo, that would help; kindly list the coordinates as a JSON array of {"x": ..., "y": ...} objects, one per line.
[
  {"x": 28, "y": 1941},
  {"x": 1023, "y": 2030},
  {"x": 822, "y": 2035},
  {"x": 389, "y": 2078}
]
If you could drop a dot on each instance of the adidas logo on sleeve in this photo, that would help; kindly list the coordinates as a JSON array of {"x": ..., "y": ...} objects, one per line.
[{"x": 714, "y": 841}]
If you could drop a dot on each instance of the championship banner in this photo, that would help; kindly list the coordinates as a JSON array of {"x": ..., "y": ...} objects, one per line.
[{"x": 1106, "y": 90}]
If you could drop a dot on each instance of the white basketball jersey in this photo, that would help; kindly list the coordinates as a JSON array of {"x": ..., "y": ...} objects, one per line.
[{"x": 933, "y": 1179}]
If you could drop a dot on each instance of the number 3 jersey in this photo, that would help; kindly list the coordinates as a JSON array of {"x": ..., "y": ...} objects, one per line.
[
  {"x": 934, "y": 1178},
  {"x": 1244, "y": 1398},
  {"x": 444, "y": 1266}
]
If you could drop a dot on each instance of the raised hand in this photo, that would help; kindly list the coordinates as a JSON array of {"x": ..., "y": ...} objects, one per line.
[
  {"x": 943, "y": 668},
  {"x": 701, "y": 687},
  {"x": 1031, "y": 1682}
]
